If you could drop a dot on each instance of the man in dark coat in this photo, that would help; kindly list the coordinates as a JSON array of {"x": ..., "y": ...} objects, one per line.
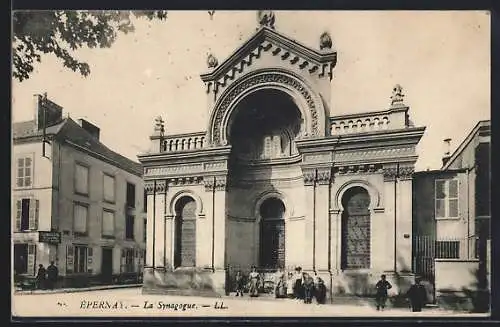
[
  {"x": 308, "y": 288},
  {"x": 319, "y": 289},
  {"x": 40, "y": 277},
  {"x": 52, "y": 275},
  {"x": 417, "y": 295},
  {"x": 381, "y": 296}
]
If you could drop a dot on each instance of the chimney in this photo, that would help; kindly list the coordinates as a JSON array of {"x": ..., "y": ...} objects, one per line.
[
  {"x": 447, "y": 153},
  {"x": 46, "y": 112},
  {"x": 90, "y": 128}
]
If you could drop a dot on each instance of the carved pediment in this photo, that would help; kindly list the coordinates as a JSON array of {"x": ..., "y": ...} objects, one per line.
[{"x": 319, "y": 63}]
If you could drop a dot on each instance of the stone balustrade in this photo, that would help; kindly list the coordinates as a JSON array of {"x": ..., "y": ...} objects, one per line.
[
  {"x": 183, "y": 142},
  {"x": 394, "y": 118}
]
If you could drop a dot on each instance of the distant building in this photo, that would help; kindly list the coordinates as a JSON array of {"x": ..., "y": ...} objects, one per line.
[
  {"x": 451, "y": 208},
  {"x": 75, "y": 201}
]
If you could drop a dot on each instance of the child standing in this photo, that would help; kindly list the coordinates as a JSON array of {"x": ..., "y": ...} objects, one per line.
[
  {"x": 381, "y": 296},
  {"x": 239, "y": 284}
]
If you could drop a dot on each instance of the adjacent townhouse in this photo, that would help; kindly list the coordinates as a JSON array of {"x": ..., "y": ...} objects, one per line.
[{"x": 75, "y": 201}]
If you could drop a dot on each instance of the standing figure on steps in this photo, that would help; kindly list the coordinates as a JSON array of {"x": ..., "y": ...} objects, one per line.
[
  {"x": 239, "y": 284},
  {"x": 417, "y": 295},
  {"x": 254, "y": 278}
]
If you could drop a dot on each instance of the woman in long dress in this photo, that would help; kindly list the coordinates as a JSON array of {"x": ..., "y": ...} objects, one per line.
[
  {"x": 254, "y": 282},
  {"x": 279, "y": 282}
]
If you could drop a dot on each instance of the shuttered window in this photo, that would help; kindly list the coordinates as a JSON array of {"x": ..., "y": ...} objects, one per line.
[
  {"x": 80, "y": 219},
  {"x": 24, "y": 176},
  {"x": 446, "y": 198},
  {"x": 129, "y": 227},
  {"x": 81, "y": 179},
  {"x": 27, "y": 214},
  {"x": 109, "y": 188},
  {"x": 108, "y": 223}
]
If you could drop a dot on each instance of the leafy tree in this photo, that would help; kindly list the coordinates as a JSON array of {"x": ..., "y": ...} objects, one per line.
[{"x": 60, "y": 32}]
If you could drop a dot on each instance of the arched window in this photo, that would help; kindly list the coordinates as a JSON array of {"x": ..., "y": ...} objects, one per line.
[
  {"x": 356, "y": 229},
  {"x": 185, "y": 232},
  {"x": 272, "y": 234}
]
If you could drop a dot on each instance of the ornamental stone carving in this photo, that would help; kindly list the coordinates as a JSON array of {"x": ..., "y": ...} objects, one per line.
[
  {"x": 212, "y": 62},
  {"x": 397, "y": 96},
  {"x": 161, "y": 186},
  {"x": 263, "y": 79},
  {"x": 324, "y": 176},
  {"x": 400, "y": 173},
  {"x": 215, "y": 183},
  {"x": 149, "y": 186},
  {"x": 325, "y": 41},
  {"x": 266, "y": 18},
  {"x": 309, "y": 176}
]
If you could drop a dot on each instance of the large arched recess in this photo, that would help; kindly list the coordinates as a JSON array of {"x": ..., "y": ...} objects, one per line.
[{"x": 307, "y": 99}]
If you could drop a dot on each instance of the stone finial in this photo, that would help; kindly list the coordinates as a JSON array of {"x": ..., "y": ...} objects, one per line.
[
  {"x": 159, "y": 127},
  {"x": 212, "y": 62},
  {"x": 397, "y": 96},
  {"x": 325, "y": 41},
  {"x": 266, "y": 18}
]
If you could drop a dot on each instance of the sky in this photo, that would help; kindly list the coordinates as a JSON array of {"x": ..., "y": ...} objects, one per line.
[{"x": 441, "y": 59}]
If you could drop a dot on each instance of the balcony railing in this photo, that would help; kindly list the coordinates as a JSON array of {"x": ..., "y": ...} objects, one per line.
[
  {"x": 395, "y": 118},
  {"x": 183, "y": 142}
]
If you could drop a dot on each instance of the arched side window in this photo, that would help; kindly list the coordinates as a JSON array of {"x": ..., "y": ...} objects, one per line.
[
  {"x": 185, "y": 232},
  {"x": 356, "y": 229}
]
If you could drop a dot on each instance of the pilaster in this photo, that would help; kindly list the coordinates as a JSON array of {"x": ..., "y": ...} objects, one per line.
[
  {"x": 159, "y": 224},
  {"x": 217, "y": 185}
]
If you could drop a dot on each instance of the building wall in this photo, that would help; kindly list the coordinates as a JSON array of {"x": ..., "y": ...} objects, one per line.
[
  {"x": 66, "y": 159},
  {"x": 41, "y": 190},
  {"x": 425, "y": 222}
]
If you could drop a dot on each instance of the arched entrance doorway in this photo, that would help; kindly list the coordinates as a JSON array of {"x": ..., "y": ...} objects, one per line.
[
  {"x": 356, "y": 229},
  {"x": 272, "y": 234},
  {"x": 185, "y": 232}
]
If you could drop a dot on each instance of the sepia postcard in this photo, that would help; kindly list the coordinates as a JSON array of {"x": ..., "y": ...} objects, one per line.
[{"x": 250, "y": 164}]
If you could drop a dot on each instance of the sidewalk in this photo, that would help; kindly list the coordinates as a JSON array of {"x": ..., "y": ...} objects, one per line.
[{"x": 73, "y": 290}]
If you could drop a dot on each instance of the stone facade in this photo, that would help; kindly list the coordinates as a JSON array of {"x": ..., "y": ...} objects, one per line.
[{"x": 273, "y": 95}]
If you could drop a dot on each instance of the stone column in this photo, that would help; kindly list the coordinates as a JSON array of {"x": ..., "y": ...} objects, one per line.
[
  {"x": 322, "y": 226},
  {"x": 404, "y": 222},
  {"x": 159, "y": 223},
  {"x": 169, "y": 241},
  {"x": 149, "y": 187},
  {"x": 216, "y": 185},
  {"x": 336, "y": 239},
  {"x": 388, "y": 262},
  {"x": 308, "y": 261}
]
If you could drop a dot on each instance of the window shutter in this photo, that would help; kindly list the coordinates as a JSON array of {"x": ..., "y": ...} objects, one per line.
[
  {"x": 31, "y": 259},
  {"x": 19, "y": 210},
  {"x": 90, "y": 253},
  {"x": 32, "y": 214},
  {"x": 123, "y": 260},
  {"x": 37, "y": 211},
  {"x": 70, "y": 249}
]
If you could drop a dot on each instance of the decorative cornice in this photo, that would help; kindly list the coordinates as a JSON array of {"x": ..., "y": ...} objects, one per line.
[
  {"x": 319, "y": 63},
  {"x": 357, "y": 169},
  {"x": 181, "y": 181}
]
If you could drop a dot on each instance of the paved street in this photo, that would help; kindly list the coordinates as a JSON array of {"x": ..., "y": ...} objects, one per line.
[{"x": 129, "y": 302}]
